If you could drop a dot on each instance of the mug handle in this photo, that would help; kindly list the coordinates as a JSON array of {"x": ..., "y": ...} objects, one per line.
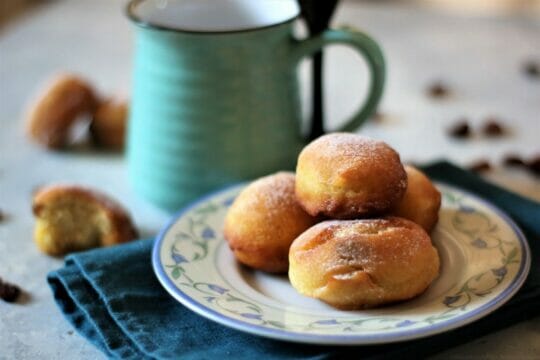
[{"x": 371, "y": 52}]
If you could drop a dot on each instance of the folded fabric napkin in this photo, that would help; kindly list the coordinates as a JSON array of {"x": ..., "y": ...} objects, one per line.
[{"x": 113, "y": 299}]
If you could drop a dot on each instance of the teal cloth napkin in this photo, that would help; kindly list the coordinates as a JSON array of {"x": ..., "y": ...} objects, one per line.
[{"x": 112, "y": 298}]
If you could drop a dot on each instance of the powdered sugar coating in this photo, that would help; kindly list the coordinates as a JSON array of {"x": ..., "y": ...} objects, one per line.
[
  {"x": 356, "y": 147},
  {"x": 274, "y": 192},
  {"x": 362, "y": 263},
  {"x": 264, "y": 220},
  {"x": 347, "y": 176}
]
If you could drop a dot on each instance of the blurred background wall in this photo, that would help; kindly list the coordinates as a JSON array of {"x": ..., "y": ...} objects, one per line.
[
  {"x": 475, "y": 7},
  {"x": 11, "y": 9}
]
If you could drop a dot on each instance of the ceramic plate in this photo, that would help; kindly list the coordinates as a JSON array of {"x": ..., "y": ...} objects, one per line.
[{"x": 484, "y": 261}]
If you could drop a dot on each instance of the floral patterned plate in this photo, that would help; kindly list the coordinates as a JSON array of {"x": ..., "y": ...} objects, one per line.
[{"x": 484, "y": 261}]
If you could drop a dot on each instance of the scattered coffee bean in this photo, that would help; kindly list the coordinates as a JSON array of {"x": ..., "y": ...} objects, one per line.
[
  {"x": 9, "y": 292},
  {"x": 378, "y": 117},
  {"x": 534, "y": 165},
  {"x": 2, "y": 216},
  {"x": 438, "y": 90},
  {"x": 532, "y": 69},
  {"x": 513, "y": 160},
  {"x": 493, "y": 127},
  {"x": 480, "y": 166},
  {"x": 460, "y": 130}
]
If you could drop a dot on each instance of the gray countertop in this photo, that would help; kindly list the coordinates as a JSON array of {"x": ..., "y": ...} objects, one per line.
[{"x": 480, "y": 58}]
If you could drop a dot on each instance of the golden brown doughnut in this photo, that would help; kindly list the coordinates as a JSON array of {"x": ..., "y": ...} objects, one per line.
[
  {"x": 264, "y": 220},
  {"x": 65, "y": 99},
  {"x": 421, "y": 202},
  {"x": 108, "y": 126},
  {"x": 352, "y": 264},
  {"x": 346, "y": 176},
  {"x": 72, "y": 218}
]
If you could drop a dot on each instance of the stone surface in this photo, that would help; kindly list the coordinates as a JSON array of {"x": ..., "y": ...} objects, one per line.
[{"x": 479, "y": 58}]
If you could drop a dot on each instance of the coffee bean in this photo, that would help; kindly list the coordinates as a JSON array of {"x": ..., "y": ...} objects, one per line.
[
  {"x": 9, "y": 292},
  {"x": 513, "y": 160},
  {"x": 493, "y": 127},
  {"x": 438, "y": 90},
  {"x": 2, "y": 216},
  {"x": 378, "y": 117},
  {"x": 480, "y": 166},
  {"x": 534, "y": 165},
  {"x": 460, "y": 130},
  {"x": 531, "y": 68}
]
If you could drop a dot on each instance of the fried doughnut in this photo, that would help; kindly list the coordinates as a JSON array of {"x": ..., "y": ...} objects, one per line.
[
  {"x": 108, "y": 126},
  {"x": 354, "y": 264},
  {"x": 73, "y": 218},
  {"x": 346, "y": 176},
  {"x": 264, "y": 220},
  {"x": 65, "y": 99},
  {"x": 421, "y": 202}
]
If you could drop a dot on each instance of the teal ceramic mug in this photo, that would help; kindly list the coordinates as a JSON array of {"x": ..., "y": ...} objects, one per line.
[{"x": 215, "y": 93}]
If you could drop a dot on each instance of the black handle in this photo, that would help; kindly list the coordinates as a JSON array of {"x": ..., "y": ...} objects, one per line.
[{"x": 317, "y": 14}]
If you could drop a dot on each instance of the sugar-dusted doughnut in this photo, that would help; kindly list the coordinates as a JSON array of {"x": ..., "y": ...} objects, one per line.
[
  {"x": 347, "y": 176},
  {"x": 353, "y": 264},
  {"x": 109, "y": 123},
  {"x": 55, "y": 111},
  {"x": 421, "y": 202},
  {"x": 72, "y": 218},
  {"x": 264, "y": 220}
]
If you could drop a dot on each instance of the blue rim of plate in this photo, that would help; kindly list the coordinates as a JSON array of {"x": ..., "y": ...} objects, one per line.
[{"x": 351, "y": 340}]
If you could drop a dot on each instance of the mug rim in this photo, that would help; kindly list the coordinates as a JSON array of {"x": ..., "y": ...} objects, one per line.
[{"x": 129, "y": 11}]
